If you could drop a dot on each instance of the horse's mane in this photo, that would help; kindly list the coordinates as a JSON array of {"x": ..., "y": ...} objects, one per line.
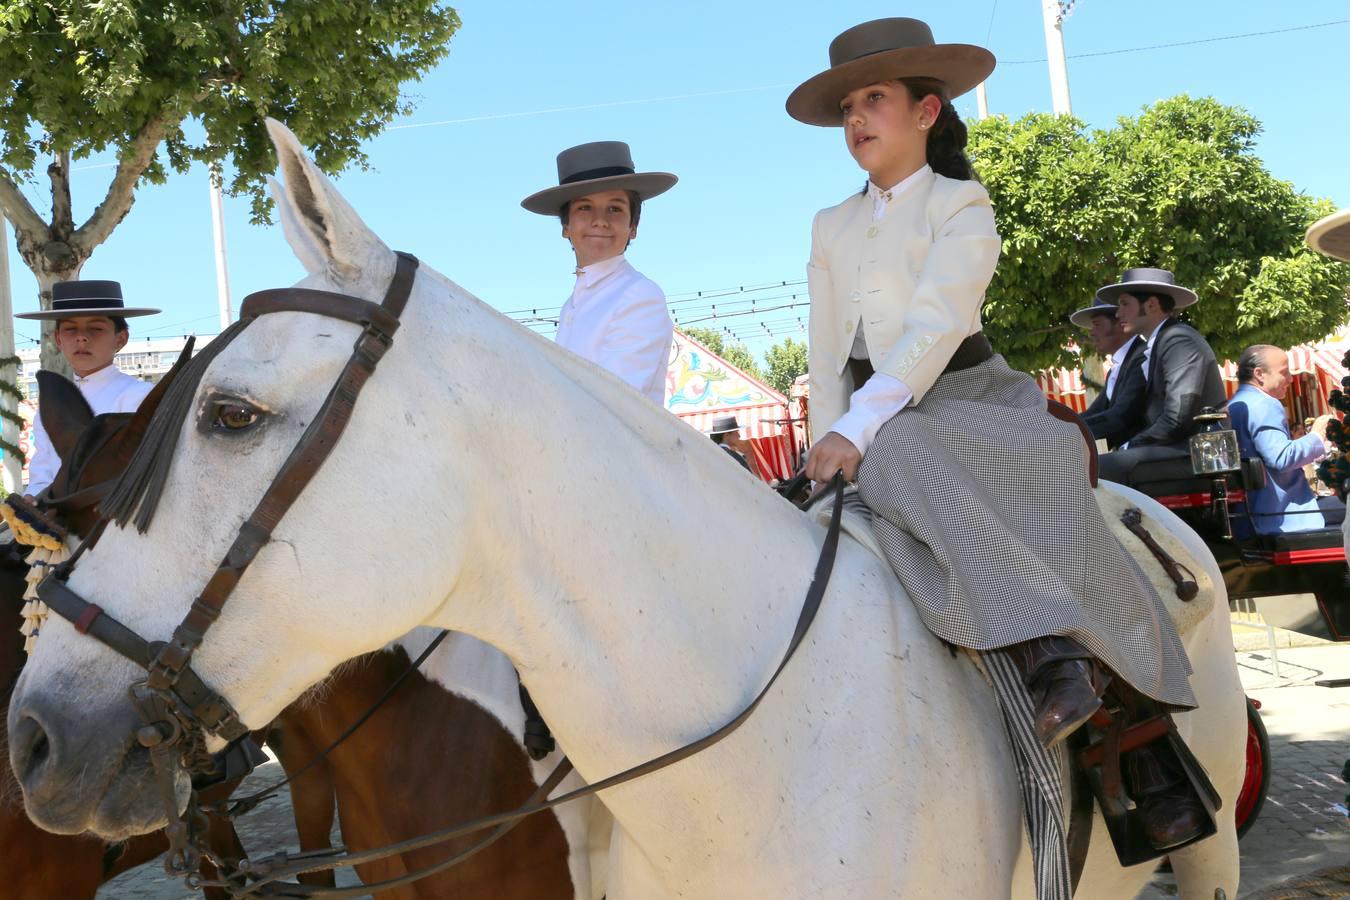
[{"x": 138, "y": 491}]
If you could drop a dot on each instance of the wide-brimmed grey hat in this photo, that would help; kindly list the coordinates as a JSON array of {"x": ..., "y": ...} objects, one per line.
[
  {"x": 87, "y": 298},
  {"x": 1332, "y": 235},
  {"x": 881, "y": 50},
  {"x": 598, "y": 166},
  {"x": 724, "y": 425},
  {"x": 1146, "y": 282},
  {"x": 1083, "y": 317}
]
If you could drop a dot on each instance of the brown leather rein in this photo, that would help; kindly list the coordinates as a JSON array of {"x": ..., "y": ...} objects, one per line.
[{"x": 179, "y": 709}]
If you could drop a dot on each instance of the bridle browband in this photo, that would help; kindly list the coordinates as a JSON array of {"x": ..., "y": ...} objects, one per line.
[
  {"x": 178, "y": 709},
  {"x": 176, "y": 706}
]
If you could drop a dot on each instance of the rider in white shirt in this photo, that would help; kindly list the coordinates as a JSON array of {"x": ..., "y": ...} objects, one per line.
[
  {"x": 616, "y": 317},
  {"x": 91, "y": 328}
]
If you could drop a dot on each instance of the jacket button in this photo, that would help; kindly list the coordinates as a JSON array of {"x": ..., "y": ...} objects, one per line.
[
  {"x": 872, "y": 231},
  {"x": 855, "y": 296},
  {"x": 848, "y": 326}
]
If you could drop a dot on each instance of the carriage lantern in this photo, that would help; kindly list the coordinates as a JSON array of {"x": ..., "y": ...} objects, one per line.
[{"x": 1214, "y": 448}]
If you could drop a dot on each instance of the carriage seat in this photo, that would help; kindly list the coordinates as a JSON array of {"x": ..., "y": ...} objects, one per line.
[
  {"x": 1319, "y": 539},
  {"x": 1166, "y": 477}
]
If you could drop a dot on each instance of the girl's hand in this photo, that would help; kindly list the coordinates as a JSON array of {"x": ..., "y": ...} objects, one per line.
[{"x": 830, "y": 454}]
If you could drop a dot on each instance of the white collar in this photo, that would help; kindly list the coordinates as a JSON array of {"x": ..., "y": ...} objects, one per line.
[
  {"x": 102, "y": 376},
  {"x": 881, "y": 196},
  {"x": 1154, "y": 333},
  {"x": 1119, "y": 354},
  {"x": 597, "y": 271}
]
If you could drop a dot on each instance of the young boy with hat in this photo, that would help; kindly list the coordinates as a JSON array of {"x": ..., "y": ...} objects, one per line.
[
  {"x": 616, "y": 317},
  {"x": 91, "y": 327}
]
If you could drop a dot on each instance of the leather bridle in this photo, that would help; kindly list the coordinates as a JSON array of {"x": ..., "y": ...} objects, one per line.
[{"x": 177, "y": 708}]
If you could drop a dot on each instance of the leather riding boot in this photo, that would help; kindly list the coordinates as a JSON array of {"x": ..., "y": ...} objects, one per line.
[
  {"x": 1065, "y": 683},
  {"x": 1169, "y": 810}
]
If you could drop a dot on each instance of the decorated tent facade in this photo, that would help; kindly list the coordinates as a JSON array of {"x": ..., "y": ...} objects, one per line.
[{"x": 700, "y": 386}]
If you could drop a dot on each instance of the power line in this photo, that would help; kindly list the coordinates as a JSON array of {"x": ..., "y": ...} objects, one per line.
[
  {"x": 990, "y": 33},
  {"x": 1212, "y": 40},
  {"x": 563, "y": 109}
]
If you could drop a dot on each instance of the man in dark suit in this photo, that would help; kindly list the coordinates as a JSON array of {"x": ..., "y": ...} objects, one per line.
[
  {"x": 1180, "y": 368},
  {"x": 1118, "y": 412}
]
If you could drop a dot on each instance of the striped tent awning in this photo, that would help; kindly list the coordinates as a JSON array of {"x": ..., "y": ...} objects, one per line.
[
  {"x": 766, "y": 425},
  {"x": 1066, "y": 386}
]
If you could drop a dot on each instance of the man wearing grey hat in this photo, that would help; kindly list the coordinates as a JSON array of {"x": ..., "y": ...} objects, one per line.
[
  {"x": 1117, "y": 414},
  {"x": 616, "y": 317},
  {"x": 1180, "y": 368}
]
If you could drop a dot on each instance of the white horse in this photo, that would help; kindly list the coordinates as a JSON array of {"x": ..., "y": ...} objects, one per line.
[{"x": 535, "y": 502}]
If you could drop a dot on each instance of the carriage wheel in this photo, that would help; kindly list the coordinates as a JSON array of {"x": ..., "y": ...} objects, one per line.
[{"x": 1257, "y": 780}]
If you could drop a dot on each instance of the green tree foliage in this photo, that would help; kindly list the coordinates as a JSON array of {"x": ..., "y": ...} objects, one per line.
[
  {"x": 785, "y": 360},
  {"x": 732, "y": 351},
  {"x": 1179, "y": 187},
  {"x": 165, "y": 83}
]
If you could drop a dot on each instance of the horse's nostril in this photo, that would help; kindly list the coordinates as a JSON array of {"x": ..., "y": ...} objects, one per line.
[
  {"x": 31, "y": 748},
  {"x": 37, "y": 754}
]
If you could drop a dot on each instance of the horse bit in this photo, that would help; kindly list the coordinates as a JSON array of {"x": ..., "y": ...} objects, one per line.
[{"x": 177, "y": 708}]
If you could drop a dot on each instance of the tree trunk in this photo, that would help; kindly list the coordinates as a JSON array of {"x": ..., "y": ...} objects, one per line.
[{"x": 67, "y": 267}]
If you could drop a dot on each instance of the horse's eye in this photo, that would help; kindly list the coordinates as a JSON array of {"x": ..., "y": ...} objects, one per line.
[{"x": 234, "y": 417}]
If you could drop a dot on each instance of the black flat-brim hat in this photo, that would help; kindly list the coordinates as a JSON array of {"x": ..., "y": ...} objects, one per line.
[
  {"x": 595, "y": 167},
  {"x": 1332, "y": 235},
  {"x": 87, "y": 298},
  {"x": 882, "y": 50},
  {"x": 1083, "y": 317},
  {"x": 1146, "y": 282}
]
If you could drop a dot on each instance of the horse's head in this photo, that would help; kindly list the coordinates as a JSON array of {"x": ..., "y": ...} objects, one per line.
[{"x": 316, "y": 594}]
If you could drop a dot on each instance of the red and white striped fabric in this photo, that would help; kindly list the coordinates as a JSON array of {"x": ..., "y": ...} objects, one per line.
[
  {"x": 765, "y": 425},
  {"x": 1066, "y": 386}
]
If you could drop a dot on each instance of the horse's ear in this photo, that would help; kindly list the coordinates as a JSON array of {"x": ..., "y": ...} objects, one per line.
[
  {"x": 322, "y": 228},
  {"x": 64, "y": 411},
  {"x": 129, "y": 438},
  {"x": 305, "y": 247}
]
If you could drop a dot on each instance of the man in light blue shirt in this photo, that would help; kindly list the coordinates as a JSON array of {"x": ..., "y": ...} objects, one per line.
[{"x": 1287, "y": 502}]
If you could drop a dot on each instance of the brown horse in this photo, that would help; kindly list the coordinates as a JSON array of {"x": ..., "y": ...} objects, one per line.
[{"x": 427, "y": 759}]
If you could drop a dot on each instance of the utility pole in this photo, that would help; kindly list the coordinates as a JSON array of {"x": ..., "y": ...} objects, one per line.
[
  {"x": 13, "y": 467},
  {"x": 222, "y": 269},
  {"x": 981, "y": 101},
  {"x": 1053, "y": 12}
]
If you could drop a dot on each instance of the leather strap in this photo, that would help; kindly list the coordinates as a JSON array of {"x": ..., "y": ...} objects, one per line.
[
  {"x": 167, "y": 663},
  {"x": 268, "y": 872}
]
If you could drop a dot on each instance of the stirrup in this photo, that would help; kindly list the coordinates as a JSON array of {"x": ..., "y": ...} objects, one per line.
[{"x": 1100, "y": 762}]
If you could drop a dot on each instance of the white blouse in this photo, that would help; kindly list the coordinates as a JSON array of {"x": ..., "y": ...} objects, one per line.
[
  {"x": 109, "y": 390},
  {"x": 617, "y": 319}
]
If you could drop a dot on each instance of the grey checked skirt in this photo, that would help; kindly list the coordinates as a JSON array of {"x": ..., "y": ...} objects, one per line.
[{"x": 981, "y": 501}]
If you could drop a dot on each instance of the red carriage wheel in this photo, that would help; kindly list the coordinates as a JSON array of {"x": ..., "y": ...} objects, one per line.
[{"x": 1257, "y": 780}]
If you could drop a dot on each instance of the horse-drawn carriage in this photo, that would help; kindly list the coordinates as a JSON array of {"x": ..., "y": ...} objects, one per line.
[{"x": 1208, "y": 490}]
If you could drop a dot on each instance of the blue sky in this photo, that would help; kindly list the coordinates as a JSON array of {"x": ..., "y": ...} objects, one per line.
[{"x": 698, "y": 89}]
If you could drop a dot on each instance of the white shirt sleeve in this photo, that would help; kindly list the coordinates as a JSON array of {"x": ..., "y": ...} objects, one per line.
[
  {"x": 44, "y": 464},
  {"x": 870, "y": 407},
  {"x": 637, "y": 342}
]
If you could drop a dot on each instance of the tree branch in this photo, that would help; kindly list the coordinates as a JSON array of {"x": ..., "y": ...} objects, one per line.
[
  {"x": 63, "y": 222},
  {"x": 121, "y": 193},
  {"x": 27, "y": 223}
]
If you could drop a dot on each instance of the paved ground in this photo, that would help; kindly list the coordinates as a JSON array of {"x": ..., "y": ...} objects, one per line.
[
  {"x": 1302, "y": 828},
  {"x": 265, "y": 830}
]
